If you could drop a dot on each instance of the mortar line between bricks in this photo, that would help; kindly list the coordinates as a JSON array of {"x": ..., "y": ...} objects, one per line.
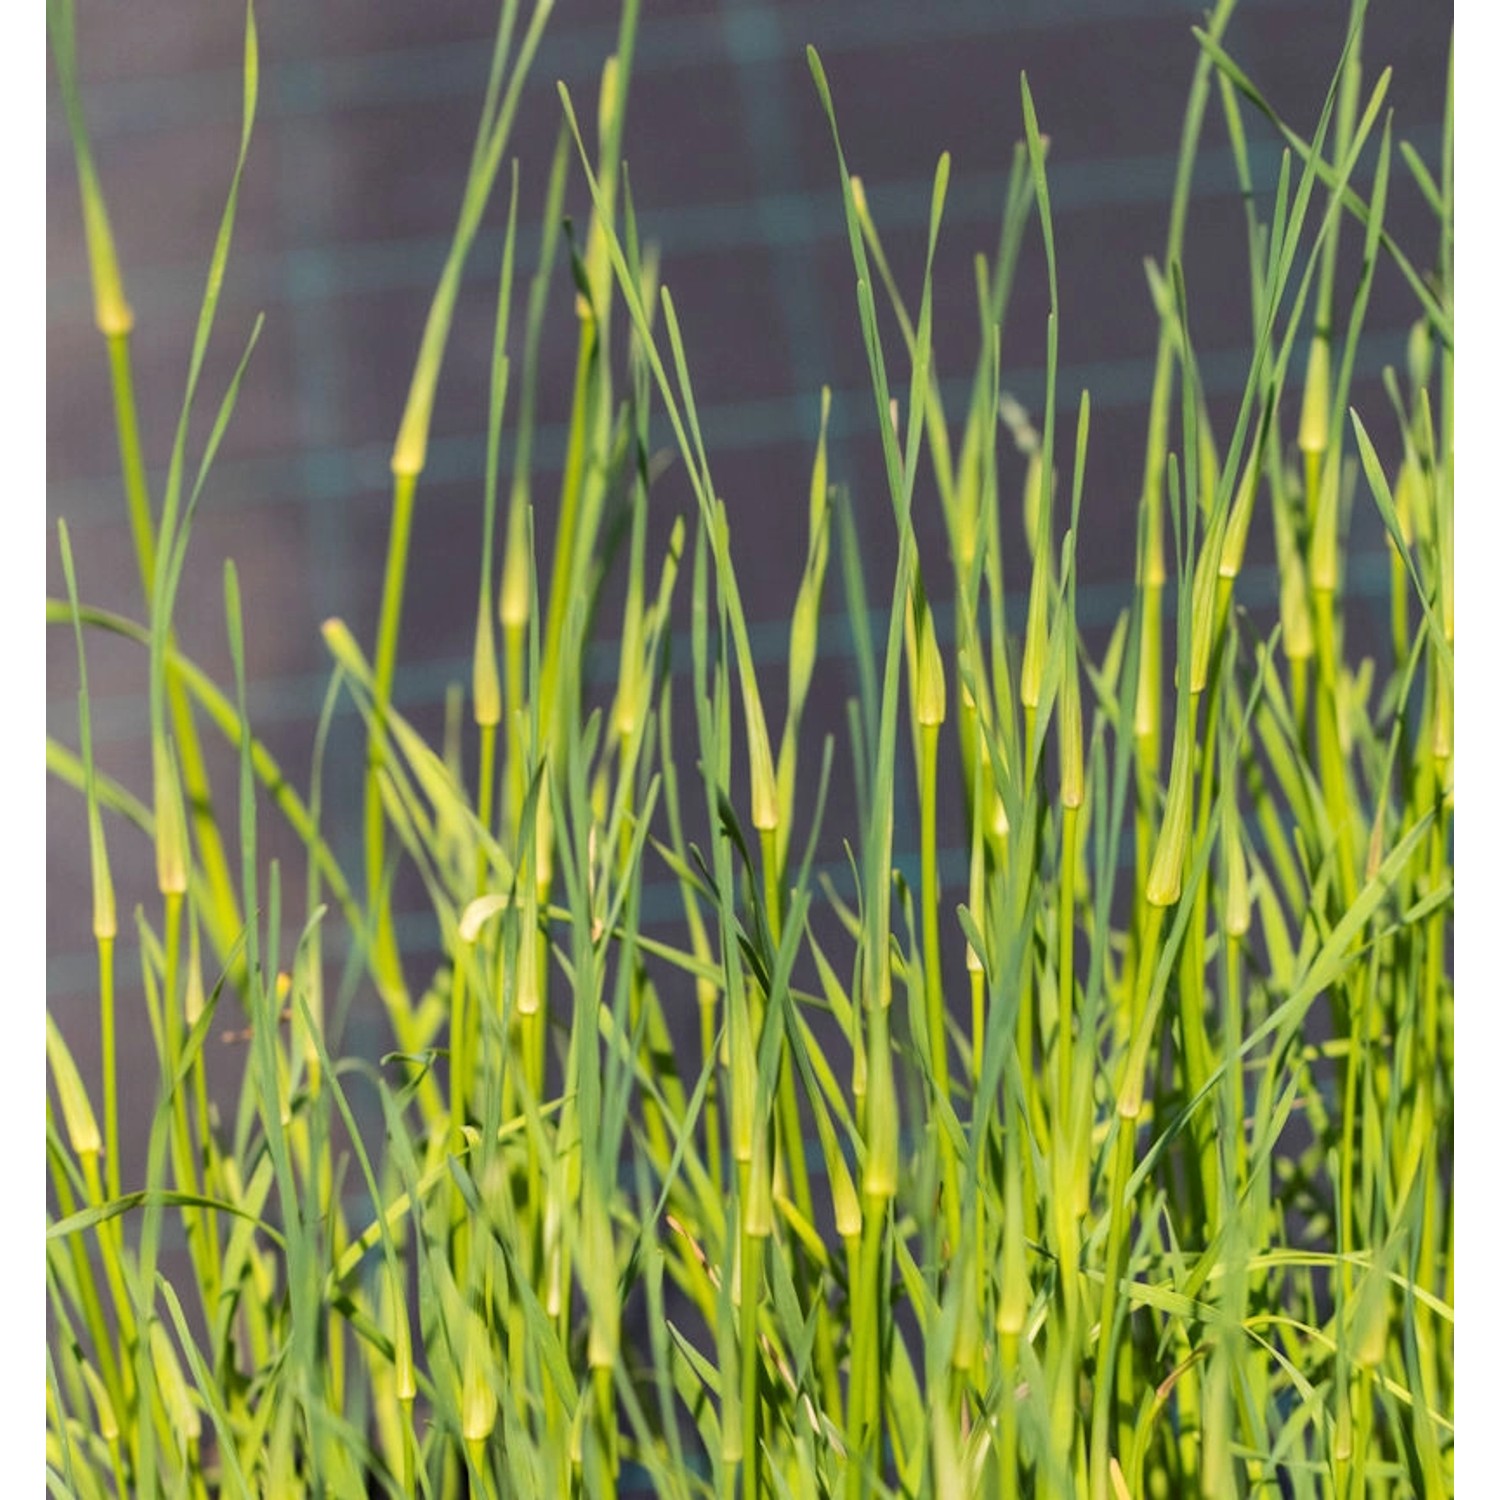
[
  {"x": 394, "y": 75},
  {"x": 800, "y": 217},
  {"x": 738, "y": 426}
]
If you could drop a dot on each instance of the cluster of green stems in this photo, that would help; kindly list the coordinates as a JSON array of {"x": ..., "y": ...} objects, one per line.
[{"x": 942, "y": 1196}]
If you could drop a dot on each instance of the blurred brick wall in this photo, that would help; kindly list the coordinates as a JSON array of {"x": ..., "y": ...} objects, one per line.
[{"x": 367, "y": 112}]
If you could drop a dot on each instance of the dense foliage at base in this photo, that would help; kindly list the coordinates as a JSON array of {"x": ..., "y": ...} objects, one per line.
[{"x": 1120, "y": 1168}]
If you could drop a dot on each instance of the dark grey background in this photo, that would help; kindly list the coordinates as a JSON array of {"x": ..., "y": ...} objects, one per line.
[{"x": 367, "y": 113}]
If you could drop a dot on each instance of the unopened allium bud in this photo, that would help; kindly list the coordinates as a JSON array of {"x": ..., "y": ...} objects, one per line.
[
  {"x": 1205, "y": 600},
  {"x": 1208, "y": 465},
  {"x": 515, "y": 577},
  {"x": 1237, "y": 532},
  {"x": 1323, "y": 555},
  {"x": 1370, "y": 1324},
  {"x": 1312, "y": 431},
  {"x": 930, "y": 680},
  {"x": 848, "y": 1217},
  {"x": 109, "y": 1424},
  {"x": 1419, "y": 353},
  {"x": 77, "y": 1112},
  {"x": 105, "y": 920},
  {"x": 1296, "y": 619},
  {"x": 1070, "y": 732},
  {"x": 764, "y": 814},
  {"x": 882, "y": 1118},
  {"x": 171, "y": 822},
  {"x": 175, "y": 1396},
  {"x": 1237, "y": 881},
  {"x": 477, "y": 1403},
  {"x": 486, "y": 671},
  {"x": 406, "y": 1380},
  {"x": 1164, "y": 883},
  {"x": 1034, "y": 653},
  {"x": 113, "y": 316},
  {"x": 758, "y": 1215}
]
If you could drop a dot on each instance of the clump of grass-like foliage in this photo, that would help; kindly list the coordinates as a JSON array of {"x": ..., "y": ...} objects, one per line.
[{"x": 1124, "y": 1171}]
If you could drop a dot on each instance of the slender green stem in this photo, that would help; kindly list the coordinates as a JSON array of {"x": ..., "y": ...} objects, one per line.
[
  {"x": 1067, "y": 898},
  {"x": 865, "y": 1426},
  {"x": 1121, "y": 1168},
  {"x": 132, "y": 462},
  {"x": 607, "y": 1472},
  {"x": 932, "y": 976},
  {"x": 517, "y": 719},
  {"x": 458, "y": 1058},
  {"x": 1197, "y": 1058},
  {"x": 1069, "y": 1155},
  {"x": 172, "y": 1019},
  {"x": 1234, "y": 1032},
  {"x": 1331, "y": 760},
  {"x": 751, "y": 1251},
  {"x": 1101, "y": 1444},
  {"x": 1010, "y": 1477},
  {"x": 385, "y": 958},
  {"x": 489, "y": 739},
  {"x": 107, "y": 1063},
  {"x": 568, "y": 504}
]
